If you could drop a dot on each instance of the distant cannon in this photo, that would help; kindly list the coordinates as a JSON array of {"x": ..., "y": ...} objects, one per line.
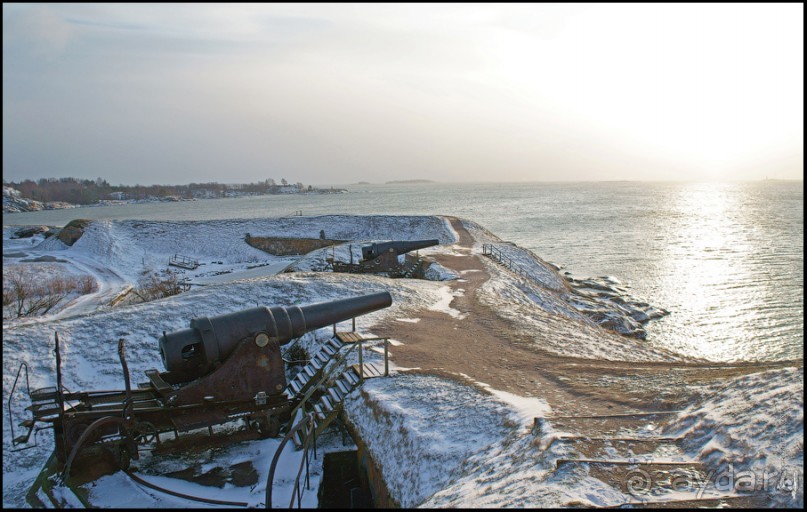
[{"x": 373, "y": 251}]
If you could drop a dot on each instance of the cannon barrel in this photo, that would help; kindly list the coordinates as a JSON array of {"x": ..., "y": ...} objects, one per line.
[
  {"x": 197, "y": 350},
  {"x": 373, "y": 251}
]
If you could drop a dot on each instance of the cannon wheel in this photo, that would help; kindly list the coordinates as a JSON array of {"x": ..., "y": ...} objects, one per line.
[
  {"x": 145, "y": 433},
  {"x": 86, "y": 435}
]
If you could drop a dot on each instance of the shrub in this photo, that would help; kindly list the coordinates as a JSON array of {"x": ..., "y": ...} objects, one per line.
[
  {"x": 27, "y": 294},
  {"x": 153, "y": 285}
]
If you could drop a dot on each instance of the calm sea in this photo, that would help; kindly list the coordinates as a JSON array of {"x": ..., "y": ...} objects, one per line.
[{"x": 727, "y": 259}]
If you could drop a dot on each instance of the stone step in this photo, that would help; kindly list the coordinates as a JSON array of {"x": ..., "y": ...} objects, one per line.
[
  {"x": 612, "y": 448},
  {"x": 646, "y": 480},
  {"x": 731, "y": 501},
  {"x": 628, "y": 462}
]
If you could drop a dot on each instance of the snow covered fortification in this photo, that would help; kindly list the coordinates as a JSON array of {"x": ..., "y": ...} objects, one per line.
[{"x": 510, "y": 385}]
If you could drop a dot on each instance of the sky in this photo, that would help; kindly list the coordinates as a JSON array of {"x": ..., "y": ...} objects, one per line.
[{"x": 340, "y": 93}]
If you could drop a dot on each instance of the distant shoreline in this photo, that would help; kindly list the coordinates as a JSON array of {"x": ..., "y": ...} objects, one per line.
[
  {"x": 406, "y": 182},
  {"x": 26, "y": 205}
]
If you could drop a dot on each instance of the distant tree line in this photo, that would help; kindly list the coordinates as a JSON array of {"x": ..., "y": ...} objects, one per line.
[{"x": 83, "y": 191}]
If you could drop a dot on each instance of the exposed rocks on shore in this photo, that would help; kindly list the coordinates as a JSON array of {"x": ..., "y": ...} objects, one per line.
[
  {"x": 610, "y": 305},
  {"x": 29, "y": 231},
  {"x": 13, "y": 202}
]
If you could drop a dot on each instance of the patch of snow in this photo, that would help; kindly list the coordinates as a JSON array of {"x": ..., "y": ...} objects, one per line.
[
  {"x": 752, "y": 424},
  {"x": 444, "y": 304},
  {"x": 437, "y": 272}
]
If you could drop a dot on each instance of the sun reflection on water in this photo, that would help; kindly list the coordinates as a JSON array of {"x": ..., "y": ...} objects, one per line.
[{"x": 706, "y": 270}]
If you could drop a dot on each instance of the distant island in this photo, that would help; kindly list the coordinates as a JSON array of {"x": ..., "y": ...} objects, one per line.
[
  {"x": 401, "y": 182},
  {"x": 57, "y": 193}
]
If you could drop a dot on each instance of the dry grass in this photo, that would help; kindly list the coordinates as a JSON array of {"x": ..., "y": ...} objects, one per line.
[
  {"x": 153, "y": 285},
  {"x": 26, "y": 294}
]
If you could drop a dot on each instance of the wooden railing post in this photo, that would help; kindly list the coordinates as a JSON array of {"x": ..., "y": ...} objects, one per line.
[
  {"x": 361, "y": 364},
  {"x": 386, "y": 357}
]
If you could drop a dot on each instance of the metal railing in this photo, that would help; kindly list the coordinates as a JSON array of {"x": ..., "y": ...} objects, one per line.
[
  {"x": 14, "y": 440},
  {"x": 179, "y": 260},
  {"x": 496, "y": 254},
  {"x": 307, "y": 426}
]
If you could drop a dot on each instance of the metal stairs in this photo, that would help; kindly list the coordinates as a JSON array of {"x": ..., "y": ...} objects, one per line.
[
  {"x": 409, "y": 269},
  {"x": 320, "y": 387},
  {"x": 327, "y": 408},
  {"x": 312, "y": 371}
]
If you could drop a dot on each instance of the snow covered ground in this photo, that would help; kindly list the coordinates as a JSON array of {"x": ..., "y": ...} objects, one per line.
[{"x": 439, "y": 442}]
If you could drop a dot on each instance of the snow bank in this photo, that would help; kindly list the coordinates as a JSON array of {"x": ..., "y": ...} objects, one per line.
[
  {"x": 555, "y": 325},
  {"x": 437, "y": 272},
  {"x": 420, "y": 428},
  {"x": 132, "y": 245},
  {"x": 540, "y": 271},
  {"x": 751, "y": 428},
  {"x": 441, "y": 444},
  {"x": 517, "y": 472}
]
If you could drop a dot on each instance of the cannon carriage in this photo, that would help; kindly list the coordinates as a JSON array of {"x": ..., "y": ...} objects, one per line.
[
  {"x": 383, "y": 258},
  {"x": 220, "y": 369}
]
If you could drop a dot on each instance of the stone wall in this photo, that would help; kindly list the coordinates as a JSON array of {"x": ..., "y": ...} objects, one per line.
[
  {"x": 369, "y": 469},
  {"x": 289, "y": 246}
]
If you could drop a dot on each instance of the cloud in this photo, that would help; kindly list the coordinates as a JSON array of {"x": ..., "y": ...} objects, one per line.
[
  {"x": 347, "y": 92},
  {"x": 37, "y": 30}
]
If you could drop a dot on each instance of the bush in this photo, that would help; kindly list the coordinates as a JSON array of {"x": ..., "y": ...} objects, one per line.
[
  {"x": 27, "y": 294},
  {"x": 153, "y": 285}
]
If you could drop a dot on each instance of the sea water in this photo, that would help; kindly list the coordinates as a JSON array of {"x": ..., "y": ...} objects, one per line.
[{"x": 726, "y": 259}]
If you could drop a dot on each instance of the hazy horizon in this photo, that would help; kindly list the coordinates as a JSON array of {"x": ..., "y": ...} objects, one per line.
[
  {"x": 444, "y": 182},
  {"x": 454, "y": 93}
]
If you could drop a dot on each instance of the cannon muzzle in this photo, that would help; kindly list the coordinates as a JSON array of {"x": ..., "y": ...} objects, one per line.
[
  {"x": 196, "y": 351},
  {"x": 371, "y": 252}
]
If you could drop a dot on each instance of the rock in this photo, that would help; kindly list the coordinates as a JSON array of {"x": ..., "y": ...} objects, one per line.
[
  {"x": 640, "y": 316},
  {"x": 28, "y": 232},
  {"x": 73, "y": 231}
]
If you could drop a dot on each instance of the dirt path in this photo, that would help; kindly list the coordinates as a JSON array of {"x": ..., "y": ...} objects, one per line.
[{"x": 482, "y": 346}]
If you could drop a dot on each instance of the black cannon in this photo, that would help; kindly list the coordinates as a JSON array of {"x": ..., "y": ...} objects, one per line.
[
  {"x": 192, "y": 353},
  {"x": 373, "y": 251}
]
